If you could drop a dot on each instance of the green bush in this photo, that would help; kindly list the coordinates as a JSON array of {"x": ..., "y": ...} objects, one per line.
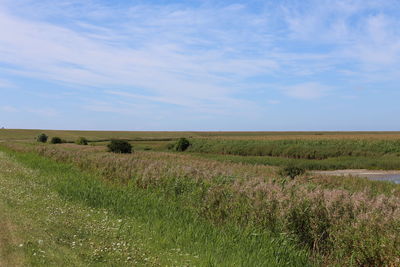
[
  {"x": 182, "y": 144},
  {"x": 170, "y": 146},
  {"x": 292, "y": 171},
  {"x": 119, "y": 146},
  {"x": 81, "y": 141},
  {"x": 42, "y": 138},
  {"x": 56, "y": 140}
]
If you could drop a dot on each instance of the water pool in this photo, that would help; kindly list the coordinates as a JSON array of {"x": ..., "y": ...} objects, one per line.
[{"x": 395, "y": 178}]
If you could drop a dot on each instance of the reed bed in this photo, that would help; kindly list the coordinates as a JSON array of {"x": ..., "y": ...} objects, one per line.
[
  {"x": 337, "y": 225},
  {"x": 385, "y": 162},
  {"x": 263, "y": 136},
  {"x": 298, "y": 149}
]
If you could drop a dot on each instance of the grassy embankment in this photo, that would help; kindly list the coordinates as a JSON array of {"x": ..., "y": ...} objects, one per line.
[
  {"x": 353, "y": 222},
  {"x": 63, "y": 216}
]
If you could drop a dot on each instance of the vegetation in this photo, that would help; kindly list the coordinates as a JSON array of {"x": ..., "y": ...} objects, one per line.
[
  {"x": 119, "y": 146},
  {"x": 42, "y": 138},
  {"x": 82, "y": 141},
  {"x": 347, "y": 223},
  {"x": 73, "y": 218},
  {"x": 170, "y": 146},
  {"x": 308, "y": 154},
  {"x": 56, "y": 140},
  {"x": 19, "y": 134},
  {"x": 182, "y": 144},
  {"x": 387, "y": 162},
  {"x": 225, "y": 201},
  {"x": 298, "y": 149},
  {"x": 291, "y": 171}
]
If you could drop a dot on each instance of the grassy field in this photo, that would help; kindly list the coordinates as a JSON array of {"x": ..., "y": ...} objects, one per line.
[
  {"x": 309, "y": 150},
  {"x": 29, "y": 135},
  {"x": 216, "y": 204}
]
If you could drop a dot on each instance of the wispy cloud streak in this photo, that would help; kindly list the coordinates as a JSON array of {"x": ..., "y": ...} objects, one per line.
[{"x": 207, "y": 57}]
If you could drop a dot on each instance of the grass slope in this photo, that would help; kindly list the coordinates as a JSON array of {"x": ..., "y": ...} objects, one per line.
[{"x": 63, "y": 216}]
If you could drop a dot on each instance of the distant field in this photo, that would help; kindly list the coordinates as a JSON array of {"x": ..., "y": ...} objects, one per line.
[
  {"x": 309, "y": 150},
  {"x": 17, "y": 134},
  {"x": 71, "y": 135}
]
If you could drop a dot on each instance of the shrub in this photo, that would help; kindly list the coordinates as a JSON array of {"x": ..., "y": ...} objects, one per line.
[
  {"x": 170, "y": 146},
  {"x": 182, "y": 144},
  {"x": 42, "y": 138},
  {"x": 119, "y": 146},
  {"x": 292, "y": 171},
  {"x": 81, "y": 141},
  {"x": 56, "y": 140}
]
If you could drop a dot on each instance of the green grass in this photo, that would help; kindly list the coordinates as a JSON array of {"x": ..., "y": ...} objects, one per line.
[
  {"x": 386, "y": 162},
  {"x": 68, "y": 208},
  {"x": 310, "y": 154},
  {"x": 298, "y": 149}
]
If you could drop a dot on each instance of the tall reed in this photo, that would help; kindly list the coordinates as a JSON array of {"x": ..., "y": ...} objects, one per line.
[{"x": 298, "y": 149}]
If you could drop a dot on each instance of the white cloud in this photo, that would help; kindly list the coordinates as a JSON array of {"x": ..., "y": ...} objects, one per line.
[
  {"x": 273, "y": 102},
  {"x": 359, "y": 32},
  {"x": 151, "y": 52},
  {"x": 196, "y": 57},
  {"x": 380, "y": 45},
  {"x": 45, "y": 112},
  {"x": 9, "y": 109},
  {"x": 310, "y": 90},
  {"x": 6, "y": 84},
  {"x": 216, "y": 105}
]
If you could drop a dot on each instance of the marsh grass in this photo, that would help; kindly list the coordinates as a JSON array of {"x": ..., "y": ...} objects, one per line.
[
  {"x": 171, "y": 224},
  {"x": 385, "y": 162},
  {"x": 298, "y": 149},
  {"x": 336, "y": 222},
  {"x": 22, "y": 134}
]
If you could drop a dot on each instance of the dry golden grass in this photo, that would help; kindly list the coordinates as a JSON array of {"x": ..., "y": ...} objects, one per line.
[
  {"x": 72, "y": 135},
  {"x": 313, "y": 136}
]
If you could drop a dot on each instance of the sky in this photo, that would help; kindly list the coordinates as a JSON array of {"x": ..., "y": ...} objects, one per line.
[{"x": 286, "y": 65}]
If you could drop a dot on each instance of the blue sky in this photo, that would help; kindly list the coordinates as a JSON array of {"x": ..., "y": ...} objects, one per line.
[{"x": 200, "y": 65}]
